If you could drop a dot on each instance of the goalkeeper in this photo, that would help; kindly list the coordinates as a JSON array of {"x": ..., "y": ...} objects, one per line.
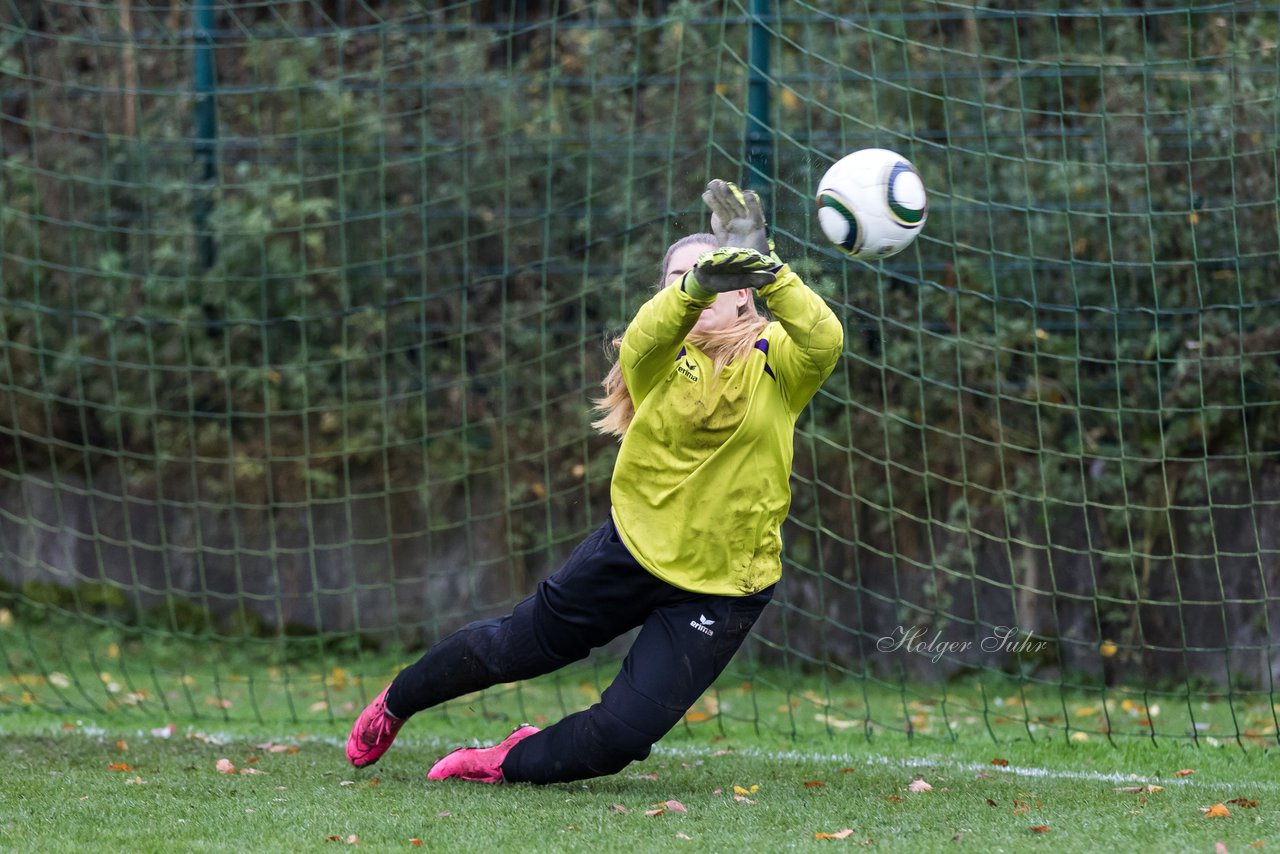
[{"x": 705, "y": 395}]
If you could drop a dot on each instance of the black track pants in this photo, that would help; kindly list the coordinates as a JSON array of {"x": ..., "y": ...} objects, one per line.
[{"x": 601, "y": 592}]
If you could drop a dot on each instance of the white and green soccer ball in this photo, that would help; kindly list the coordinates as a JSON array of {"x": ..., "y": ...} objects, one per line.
[{"x": 872, "y": 203}]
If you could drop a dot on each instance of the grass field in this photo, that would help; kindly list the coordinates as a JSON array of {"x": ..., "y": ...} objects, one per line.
[
  {"x": 115, "y": 744},
  {"x": 97, "y": 784}
]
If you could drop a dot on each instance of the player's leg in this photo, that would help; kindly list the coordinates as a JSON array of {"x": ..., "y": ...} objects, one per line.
[
  {"x": 595, "y": 597},
  {"x": 680, "y": 651},
  {"x": 598, "y": 594}
]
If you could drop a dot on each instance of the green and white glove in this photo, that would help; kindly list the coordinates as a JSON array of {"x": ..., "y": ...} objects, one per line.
[
  {"x": 730, "y": 268},
  {"x": 737, "y": 218}
]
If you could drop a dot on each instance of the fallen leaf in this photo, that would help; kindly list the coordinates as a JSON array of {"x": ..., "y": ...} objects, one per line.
[
  {"x": 814, "y": 784},
  {"x": 683, "y": 836},
  {"x": 1141, "y": 789},
  {"x": 164, "y": 731},
  {"x": 134, "y": 781},
  {"x": 1243, "y": 802},
  {"x": 835, "y": 723},
  {"x": 1040, "y": 828},
  {"x": 443, "y": 814},
  {"x": 119, "y": 766},
  {"x": 675, "y": 806},
  {"x": 1184, "y": 772},
  {"x": 1219, "y": 848},
  {"x": 991, "y": 803},
  {"x": 619, "y": 808},
  {"x": 654, "y": 812},
  {"x": 845, "y": 771},
  {"x": 920, "y": 786},
  {"x": 122, "y": 745},
  {"x": 415, "y": 842},
  {"x": 1217, "y": 811},
  {"x": 250, "y": 771},
  {"x": 839, "y": 834},
  {"x": 893, "y": 799},
  {"x": 224, "y": 766},
  {"x": 743, "y": 799},
  {"x": 738, "y": 790},
  {"x": 697, "y": 717},
  {"x": 1001, "y": 762}
]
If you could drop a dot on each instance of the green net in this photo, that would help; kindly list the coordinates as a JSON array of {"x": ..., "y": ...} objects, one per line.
[{"x": 303, "y": 305}]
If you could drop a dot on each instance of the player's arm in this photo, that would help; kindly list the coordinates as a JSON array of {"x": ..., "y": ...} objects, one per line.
[
  {"x": 804, "y": 356},
  {"x": 814, "y": 338},
  {"x": 654, "y": 337}
]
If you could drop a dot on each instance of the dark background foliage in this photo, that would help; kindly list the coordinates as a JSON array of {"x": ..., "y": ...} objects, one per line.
[{"x": 344, "y": 384}]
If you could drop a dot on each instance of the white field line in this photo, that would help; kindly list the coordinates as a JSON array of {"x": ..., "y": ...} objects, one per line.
[
  {"x": 936, "y": 761},
  {"x": 847, "y": 759}
]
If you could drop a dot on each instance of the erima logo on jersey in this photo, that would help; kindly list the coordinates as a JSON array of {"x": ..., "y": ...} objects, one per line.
[
  {"x": 701, "y": 625},
  {"x": 688, "y": 369}
]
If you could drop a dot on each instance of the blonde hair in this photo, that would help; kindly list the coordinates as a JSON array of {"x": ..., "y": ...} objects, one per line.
[{"x": 722, "y": 345}]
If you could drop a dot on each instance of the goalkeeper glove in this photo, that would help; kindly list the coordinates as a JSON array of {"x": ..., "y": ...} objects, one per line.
[
  {"x": 730, "y": 268},
  {"x": 737, "y": 219}
]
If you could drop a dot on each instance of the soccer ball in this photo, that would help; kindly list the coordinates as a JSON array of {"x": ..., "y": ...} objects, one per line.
[{"x": 872, "y": 203}]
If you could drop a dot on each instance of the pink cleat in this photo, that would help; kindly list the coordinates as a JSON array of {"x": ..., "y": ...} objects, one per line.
[
  {"x": 480, "y": 764},
  {"x": 373, "y": 732}
]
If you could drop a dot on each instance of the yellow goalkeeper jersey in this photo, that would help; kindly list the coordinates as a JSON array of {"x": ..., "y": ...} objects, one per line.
[{"x": 702, "y": 481}]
